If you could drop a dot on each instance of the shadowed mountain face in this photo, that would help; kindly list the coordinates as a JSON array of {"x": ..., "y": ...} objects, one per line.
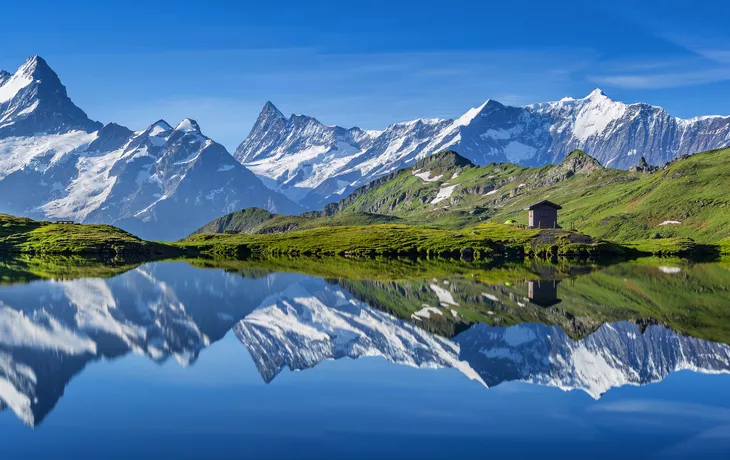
[{"x": 50, "y": 330}]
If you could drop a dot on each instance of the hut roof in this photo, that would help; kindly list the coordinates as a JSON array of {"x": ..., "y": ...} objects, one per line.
[{"x": 544, "y": 203}]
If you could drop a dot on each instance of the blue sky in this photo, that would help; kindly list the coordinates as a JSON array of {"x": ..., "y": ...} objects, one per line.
[{"x": 368, "y": 63}]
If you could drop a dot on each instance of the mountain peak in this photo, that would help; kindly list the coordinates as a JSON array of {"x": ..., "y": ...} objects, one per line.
[
  {"x": 188, "y": 125},
  {"x": 597, "y": 93},
  {"x": 270, "y": 110},
  {"x": 442, "y": 161},
  {"x": 33, "y": 101},
  {"x": 36, "y": 68},
  {"x": 32, "y": 63},
  {"x": 579, "y": 161},
  {"x": 158, "y": 127}
]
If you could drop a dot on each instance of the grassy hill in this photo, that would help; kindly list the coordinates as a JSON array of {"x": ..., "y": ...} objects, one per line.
[
  {"x": 26, "y": 236},
  {"x": 688, "y": 198},
  {"x": 260, "y": 221}
]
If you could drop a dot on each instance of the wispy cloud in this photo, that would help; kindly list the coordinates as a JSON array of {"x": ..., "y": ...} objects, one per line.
[
  {"x": 653, "y": 408},
  {"x": 664, "y": 79},
  {"x": 702, "y": 57}
]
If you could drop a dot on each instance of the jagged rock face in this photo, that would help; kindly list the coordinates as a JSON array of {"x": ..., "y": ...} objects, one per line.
[
  {"x": 274, "y": 137},
  {"x": 612, "y": 132},
  {"x": 644, "y": 167},
  {"x": 161, "y": 183},
  {"x": 577, "y": 162}
]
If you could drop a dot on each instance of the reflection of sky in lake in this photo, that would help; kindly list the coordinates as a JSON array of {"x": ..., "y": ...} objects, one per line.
[{"x": 220, "y": 407}]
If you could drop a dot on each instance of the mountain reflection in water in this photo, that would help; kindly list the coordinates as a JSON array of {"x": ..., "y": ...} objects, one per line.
[{"x": 605, "y": 329}]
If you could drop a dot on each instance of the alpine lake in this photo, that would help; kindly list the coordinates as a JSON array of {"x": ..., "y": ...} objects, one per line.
[{"x": 336, "y": 358}]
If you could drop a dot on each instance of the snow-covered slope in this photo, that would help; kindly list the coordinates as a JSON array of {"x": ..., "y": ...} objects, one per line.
[
  {"x": 311, "y": 321},
  {"x": 315, "y": 164},
  {"x": 615, "y": 355},
  {"x": 161, "y": 183}
]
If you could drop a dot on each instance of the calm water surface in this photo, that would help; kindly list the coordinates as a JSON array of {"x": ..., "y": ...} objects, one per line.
[{"x": 167, "y": 360}]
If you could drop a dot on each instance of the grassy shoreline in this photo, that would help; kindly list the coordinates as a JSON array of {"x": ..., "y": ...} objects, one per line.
[
  {"x": 489, "y": 241},
  {"x": 483, "y": 242},
  {"x": 645, "y": 291},
  {"x": 19, "y": 235}
]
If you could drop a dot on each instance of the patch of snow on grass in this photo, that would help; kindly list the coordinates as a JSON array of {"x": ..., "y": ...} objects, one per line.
[
  {"x": 444, "y": 194},
  {"x": 670, "y": 270},
  {"x": 670, "y": 222},
  {"x": 443, "y": 295},
  {"x": 425, "y": 312},
  {"x": 427, "y": 176},
  {"x": 491, "y": 297}
]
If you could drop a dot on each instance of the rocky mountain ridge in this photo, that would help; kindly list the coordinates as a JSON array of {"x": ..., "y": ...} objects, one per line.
[{"x": 316, "y": 164}]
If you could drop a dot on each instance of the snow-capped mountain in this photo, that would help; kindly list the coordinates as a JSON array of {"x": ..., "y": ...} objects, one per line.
[
  {"x": 616, "y": 354},
  {"x": 315, "y": 164},
  {"x": 50, "y": 330},
  {"x": 161, "y": 183},
  {"x": 311, "y": 321},
  {"x": 33, "y": 101}
]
